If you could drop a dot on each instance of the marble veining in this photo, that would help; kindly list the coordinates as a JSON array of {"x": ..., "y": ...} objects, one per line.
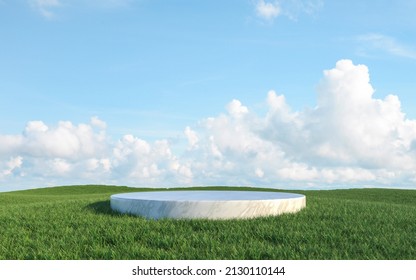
[{"x": 207, "y": 204}]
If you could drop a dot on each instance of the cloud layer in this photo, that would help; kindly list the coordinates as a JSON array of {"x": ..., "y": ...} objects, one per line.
[
  {"x": 48, "y": 8},
  {"x": 269, "y": 10},
  {"x": 375, "y": 42},
  {"x": 349, "y": 139}
]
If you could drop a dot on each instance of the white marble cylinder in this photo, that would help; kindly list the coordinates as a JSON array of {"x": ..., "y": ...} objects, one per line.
[{"x": 207, "y": 204}]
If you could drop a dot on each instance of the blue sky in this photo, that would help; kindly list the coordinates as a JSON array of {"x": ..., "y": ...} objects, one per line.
[{"x": 145, "y": 76}]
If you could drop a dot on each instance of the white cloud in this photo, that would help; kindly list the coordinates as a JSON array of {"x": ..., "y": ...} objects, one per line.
[
  {"x": 13, "y": 164},
  {"x": 36, "y": 126},
  {"x": 192, "y": 137},
  {"x": 55, "y": 151},
  {"x": 46, "y": 7},
  {"x": 10, "y": 144},
  {"x": 95, "y": 121},
  {"x": 369, "y": 43},
  {"x": 135, "y": 158},
  {"x": 294, "y": 8},
  {"x": 64, "y": 141},
  {"x": 60, "y": 166},
  {"x": 268, "y": 10},
  {"x": 366, "y": 131},
  {"x": 349, "y": 138},
  {"x": 236, "y": 109},
  {"x": 291, "y": 9},
  {"x": 259, "y": 172}
]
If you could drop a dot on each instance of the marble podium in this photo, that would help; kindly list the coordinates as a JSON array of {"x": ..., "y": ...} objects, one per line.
[{"x": 207, "y": 204}]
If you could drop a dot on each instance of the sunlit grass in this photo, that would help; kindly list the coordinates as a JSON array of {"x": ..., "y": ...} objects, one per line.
[{"x": 76, "y": 222}]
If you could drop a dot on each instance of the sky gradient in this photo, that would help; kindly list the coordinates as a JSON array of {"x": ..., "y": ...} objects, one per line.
[{"x": 288, "y": 94}]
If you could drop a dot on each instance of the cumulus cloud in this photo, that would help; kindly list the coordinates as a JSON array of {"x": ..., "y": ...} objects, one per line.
[
  {"x": 61, "y": 150},
  {"x": 10, "y": 166},
  {"x": 192, "y": 137},
  {"x": 367, "y": 131},
  {"x": 95, "y": 121},
  {"x": 64, "y": 141},
  {"x": 267, "y": 10},
  {"x": 350, "y": 138},
  {"x": 236, "y": 109}
]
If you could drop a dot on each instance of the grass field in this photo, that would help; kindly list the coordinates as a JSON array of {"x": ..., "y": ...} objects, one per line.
[{"x": 76, "y": 222}]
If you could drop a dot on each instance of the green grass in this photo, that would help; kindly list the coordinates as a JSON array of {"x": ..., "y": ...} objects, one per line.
[{"x": 76, "y": 222}]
